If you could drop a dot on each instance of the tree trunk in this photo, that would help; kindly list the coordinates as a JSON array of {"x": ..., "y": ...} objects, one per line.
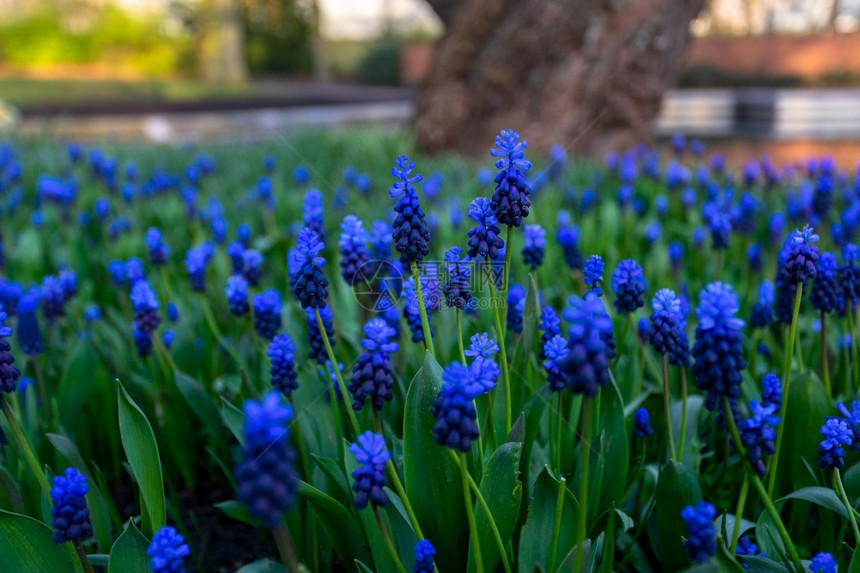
[
  {"x": 586, "y": 74},
  {"x": 222, "y": 52}
]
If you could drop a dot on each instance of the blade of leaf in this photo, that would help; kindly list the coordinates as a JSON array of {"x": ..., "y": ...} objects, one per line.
[
  {"x": 676, "y": 488},
  {"x": 26, "y": 547},
  {"x": 503, "y": 492},
  {"x": 432, "y": 479},
  {"x": 128, "y": 554},
  {"x": 534, "y": 548},
  {"x": 141, "y": 449},
  {"x": 337, "y": 522}
]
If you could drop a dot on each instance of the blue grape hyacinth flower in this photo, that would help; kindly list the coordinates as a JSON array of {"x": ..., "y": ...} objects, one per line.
[
  {"x": 69, "y": 513},
  {"x": 252, "y": 260},
  {"x": 642, "y": 423},
  {"x": 823, "y": 563},
  {"x": 9, "y": 373},
  {"x": 281, "y": 353},
  {"x": 484, "y": 239},
  {"x": 410, "y": 233},
  {"x": 267, "y": 314},
  {"x": 701, "y": 543},
  {"x": 424, "y": 553},
  {"x": 593, "y": 273},
  {"x": 237, "y": 295},
  {"x": 311, "y": 285},
  {"x": 159, "y": 251},
  {"x": 454, "y": 410},
  {"x": 354, "y": 254},
  {"x": 266, "y": 478},
  {"x": 586, "y": 364},
  {"x": 372, "y": 373},
  {"x": 555, "y": 350},
  {"x": 29, "y": 332},
  {"x": 549, "y": 325},
  {"x": 312, "y": 213},
  {"x": 762, "y": 311},
  {"x": 849, "y": 274},
  {"x": 510, "y": 201},
  {"x": 830, "y": 451},
  {"x": 534, "y": 246},
  {"x": 664, "y": 333},
  {"x": 802, "y": 256},
  {"x": 168, "y": 551},
  {"x": 771, "y": 392},
  {"x": 628, "y": 284},
  {"x": 826, "y": 293},
  {"x": 568, "y": 238},
  {"x": 457, "y": 288},
  {"x": 145, "y": 306},
  {"x": 369, "y": 478},
  {"x": 718, "y": 352},
  {"x": 758, "y": 434},
  {"x": 196, "y": 260}
]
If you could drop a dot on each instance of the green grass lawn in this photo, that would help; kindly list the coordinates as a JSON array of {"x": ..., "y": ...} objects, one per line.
[{"x": 27, "y": 92}]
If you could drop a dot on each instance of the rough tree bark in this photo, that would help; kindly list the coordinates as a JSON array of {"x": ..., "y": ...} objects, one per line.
[{"x": 587, "y": 74}]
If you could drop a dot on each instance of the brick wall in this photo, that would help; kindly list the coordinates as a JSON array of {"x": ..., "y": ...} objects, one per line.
[{"x": 807, "y": 57}]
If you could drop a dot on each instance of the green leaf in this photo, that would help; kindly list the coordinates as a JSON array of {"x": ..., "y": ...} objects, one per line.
[
  {"x": 334, "y": 472},
  {"x": 807, "y": 406},
  {"x": 615, "y": 447},
  {"x": 238, "y": 511},
  {"x": 608, "y": 553},
  {"x": 854, "y": 565},
  {"x": 676, "y": 488},
  {"x": 338, "y": 523},
  {"x": 820, "y": 496},
  {"x": 199, "y": 402},
  {"x": 265, "y": 565},
  {"x": 128, "y": 554},
  {"x": 76, "y": 383},
  {"x": 503, "y": 494},
  {"x": 141, "y": 449},
  {"x": 767, "y": 537},
  {"x": 756, "y": 564},
  {"x": 234, "y": 418},
  {"x": 26, "y": 547},
  {"x": 10, "y": 496},
  {"x": 99, "y": 512},
  {"x": 534, "y": 545},
  {"x": 432, "y": 478}
]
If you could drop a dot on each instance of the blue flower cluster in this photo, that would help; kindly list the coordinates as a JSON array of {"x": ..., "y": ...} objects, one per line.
[
  {"x": 372, "y": 373},
  {"x": 718, "y": 351},
  {"x": 484, "y": 239},
  {"x": 369, "y": 478},
  {"x": 354, "y": 254},
  {"x": 9, "y": 373},
  {"x": 69, "y": 513},
  {"x": 510, "y": 201},
  {"x": 167, "y": 551},
  {"x": 281, "y": 353},
  {"x": 628, "y": 284},
  {"x": 830, "y": 451},
  {"x": 311, "y": 285},
  {"x": 701, "y": 543},
  {"x": 410, "y": 235},
  {"x": 267, "y": 314},
  {"x": 456, "y": 289},
  {"x": 266, "y": 479},
  {"x": 585, "y": 367},
  {"x": 455, "y": 410},
  {"x": 534, "y": 246}
]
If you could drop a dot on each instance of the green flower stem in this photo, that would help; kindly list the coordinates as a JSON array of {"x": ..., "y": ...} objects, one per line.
[
  {"x": 343, "y": 390},
  {"x": 825, "y": 369},
  {"x": 425, "y": 322},
  {"x": 461, "y": 461},
  {"x": 585, "y": 454},
  {"x": 500, "y": 334},
  {"x": 739, "y": 514},
  {"x": 559, "y": 419},
  {"x": 286, "y": 548},
  {"x": 843, "y": 495},
  {"x": 672, "y": 453},
  {"x": 718, "y": 265},
  {"x": 398, "y": 486},
  {"x": 683, "y": 433},
  {"x": 508, "y": 254},
  {"x": 786, "y": 385},
  {"x": 556, "y": 523},
  {"x": 82, "y": 555},
  {"x": 460, "y": 337},
  {"x": 24, "y": 447},
  {"x": 216, "y": 332},
  {"x": 388, "y": 544},
  {"x": 762, "y": 492},
  {"x": 470, "y": 513}
]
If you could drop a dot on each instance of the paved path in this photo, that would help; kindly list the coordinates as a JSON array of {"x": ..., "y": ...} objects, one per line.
[{"x": 778, "y": 115}]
